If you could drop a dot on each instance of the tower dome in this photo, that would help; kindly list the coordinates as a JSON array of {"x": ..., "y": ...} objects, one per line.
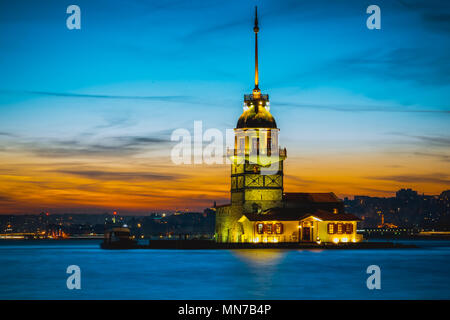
[
  {"x": 256, "y": 105},
  {"x": 256, "y": 116}
]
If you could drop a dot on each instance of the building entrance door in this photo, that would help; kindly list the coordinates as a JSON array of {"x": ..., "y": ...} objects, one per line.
[{"x": 306, "y": 234}]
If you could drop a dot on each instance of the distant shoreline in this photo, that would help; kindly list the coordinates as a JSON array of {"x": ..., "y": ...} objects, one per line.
[{"x": 437, "y": 235}]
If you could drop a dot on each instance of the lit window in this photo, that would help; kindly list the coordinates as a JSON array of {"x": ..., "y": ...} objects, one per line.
[
  {"x": 278, "y": 228},
  {"x": 331, "y": 228},
  {"x": 269, "y": 228},
  {"x": 335, "y": 210},
  {"x": 348, "y": 228},
  {"x": 340, "y": 228},
  {"x": 260, "y": 228}
]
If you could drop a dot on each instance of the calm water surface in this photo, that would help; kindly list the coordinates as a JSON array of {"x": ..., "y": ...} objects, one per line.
[{"x": 37, "y": 270}]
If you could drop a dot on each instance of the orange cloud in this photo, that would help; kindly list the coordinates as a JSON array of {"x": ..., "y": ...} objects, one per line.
[{"x": 30, "y": 183}]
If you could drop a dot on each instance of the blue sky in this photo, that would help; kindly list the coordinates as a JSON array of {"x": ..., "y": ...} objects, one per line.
[
  {"x": 202, "y": 51},
  {"x": 139, "y": 69}
]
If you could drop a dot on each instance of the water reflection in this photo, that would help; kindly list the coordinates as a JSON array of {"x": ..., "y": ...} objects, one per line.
[
  {"x": 311, "y": 250},
  {"x": 260, "y": 256},
  {"x": 259, "y": 269}
]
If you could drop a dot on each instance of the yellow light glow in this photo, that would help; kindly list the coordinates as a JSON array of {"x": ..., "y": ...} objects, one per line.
[
  {"x": 336, "y": 240},
  {"x": 344, "y": 240},
  {"x": 255, "y": 240}
]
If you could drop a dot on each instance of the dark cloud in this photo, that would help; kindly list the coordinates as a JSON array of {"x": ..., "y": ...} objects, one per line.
[
  {"x": 440, "y": 178},
  {"x": 422, "y": 65},
  {"x": 360, "y": 108},
  {"x": 115, "y": 122},
  {"x": 382, "y": 191},
  {"x": 7, "y": 134},
  {"x": 98, "y": 96},
  {"x": 140, "y": 140},
  {"x": 436, "y": 141},
  {"x": 199, "y": 33},
  {"x": 273, "y": 10},
  {"x": 300, "y": 181},
  {"x": 438, "y": 156},
  {"x": 4, "y": 198},
  {"x": 394, "y": 166},
  {"x": 119, "y": 176},
  {"x": 111, "y": 146},
  {"x": 419, "y": 66},
  {"x": 437, "y": 21},
  {"x": 435, "y": 14}
]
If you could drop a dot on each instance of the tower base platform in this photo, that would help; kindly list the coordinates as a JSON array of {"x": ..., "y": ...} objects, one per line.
[{"x": 210, "y": 244}]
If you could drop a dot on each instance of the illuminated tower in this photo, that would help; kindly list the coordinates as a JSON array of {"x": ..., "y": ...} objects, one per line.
[
  {"x": 260, "y": 212},
  {"x": 257, "y": 162}
]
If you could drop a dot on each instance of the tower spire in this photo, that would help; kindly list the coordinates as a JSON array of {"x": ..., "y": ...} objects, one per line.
[{"x": 256, "y": 30}]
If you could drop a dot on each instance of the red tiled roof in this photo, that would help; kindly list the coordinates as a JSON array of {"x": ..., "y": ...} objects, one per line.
[
  {"x": 223, "y": 205},
  {"x": 311, "y": 197},
  {"x": 328, "y": 216},
  {"x": 294, "y": 214}
]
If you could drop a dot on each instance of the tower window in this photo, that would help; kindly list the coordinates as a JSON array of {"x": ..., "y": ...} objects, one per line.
[
  {"x": 241, "y": 146},
  {"x": 268, "y": 228},
  {"x": 255, "y": 145}
]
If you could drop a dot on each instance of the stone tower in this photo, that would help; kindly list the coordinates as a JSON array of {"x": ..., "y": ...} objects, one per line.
[{"x": 257, "y": 162}]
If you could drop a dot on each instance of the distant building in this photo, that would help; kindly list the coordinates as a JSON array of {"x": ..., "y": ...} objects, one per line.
[
  {"x": 259, "y": 210},
  {"x": 408, "y": 209},
  {"x": 406, "y": 194}
]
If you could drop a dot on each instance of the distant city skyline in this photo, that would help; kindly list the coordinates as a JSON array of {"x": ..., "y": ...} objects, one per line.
[{"x": 86, "y": 115}]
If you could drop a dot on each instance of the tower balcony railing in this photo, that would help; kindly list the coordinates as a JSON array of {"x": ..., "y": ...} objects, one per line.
[
  {"x": 237, "y": 152},
  {"x": 250, "y": 97}
]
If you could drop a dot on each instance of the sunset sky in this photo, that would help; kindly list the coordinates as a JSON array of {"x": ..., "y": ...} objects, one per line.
[{"x": 86, "y": 115}]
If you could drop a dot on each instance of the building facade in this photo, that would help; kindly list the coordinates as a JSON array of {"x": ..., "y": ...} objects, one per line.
[{"x": 260, "y": 211}]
